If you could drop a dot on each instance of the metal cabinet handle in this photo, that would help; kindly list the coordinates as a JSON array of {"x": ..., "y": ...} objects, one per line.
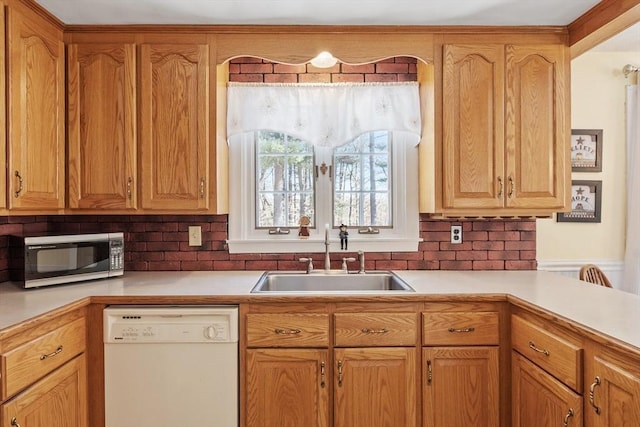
[
  {"x": 20, "y": 184},
  {"x": 592, "y": 398},
  {"x": 281, "y": 331},
  {"x": 501, "y": 186},
  {"x": 511, "y": 186},
  {"x": 202, "y": 182},
  {"x": 322, "y": 375},
  {"x": 566, "y": 418},
  {"x": 533, "y": 347},
  {"x": 340, "y": 364},
  {"x": 129, "y": 184},
  {"x": 46, "y": 356},
  {"x": 14, "y": 422},
  {"x": 462, "y": 330},
  {"x": 374, "y": 331},
  {"x": 429, "y": 372}
]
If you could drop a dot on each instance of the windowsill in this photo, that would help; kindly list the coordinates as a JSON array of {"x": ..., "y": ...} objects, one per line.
[{"x": 289, "y": 245}]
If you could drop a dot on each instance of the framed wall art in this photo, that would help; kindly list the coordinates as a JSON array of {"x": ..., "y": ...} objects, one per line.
[
  {"x": 586, "y": 150},
  {"x": 586, "y": 200}
]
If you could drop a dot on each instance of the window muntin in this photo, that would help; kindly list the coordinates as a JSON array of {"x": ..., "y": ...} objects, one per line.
[
  {"x": 362, "y": 181},
  {"x": 285, "y": 186}
]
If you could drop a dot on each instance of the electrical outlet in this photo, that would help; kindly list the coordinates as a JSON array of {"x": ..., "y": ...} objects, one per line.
[
  {"x": 195, "y": 235},
  {"x": 456, "y": 234}
]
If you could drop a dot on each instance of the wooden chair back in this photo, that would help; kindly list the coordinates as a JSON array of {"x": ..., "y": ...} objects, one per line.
[{"x": 591, "y": 273}]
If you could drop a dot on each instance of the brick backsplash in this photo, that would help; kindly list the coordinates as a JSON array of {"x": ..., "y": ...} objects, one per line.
[
  {"x": 160, "y": 242},
  {"x": 256, "y": 70}
]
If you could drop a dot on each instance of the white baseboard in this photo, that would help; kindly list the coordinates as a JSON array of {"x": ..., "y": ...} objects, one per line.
[{"x": 571, "y": 268}]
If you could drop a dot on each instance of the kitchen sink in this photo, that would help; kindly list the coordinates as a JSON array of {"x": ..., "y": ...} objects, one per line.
[{"x": 330, "y": 281}]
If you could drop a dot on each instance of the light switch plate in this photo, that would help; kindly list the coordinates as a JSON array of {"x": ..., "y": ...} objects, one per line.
[{"x": 195, "y": 235}]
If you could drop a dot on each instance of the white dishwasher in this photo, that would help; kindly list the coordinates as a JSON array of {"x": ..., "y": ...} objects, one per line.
[{"x": 168, "y": 366}]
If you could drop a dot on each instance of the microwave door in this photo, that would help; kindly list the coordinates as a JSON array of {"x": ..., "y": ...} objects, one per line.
[{"x": 67, "y": 259}]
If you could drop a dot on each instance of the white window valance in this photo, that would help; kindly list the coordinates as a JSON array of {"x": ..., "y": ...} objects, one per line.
[{"x": 328, "y": 115}]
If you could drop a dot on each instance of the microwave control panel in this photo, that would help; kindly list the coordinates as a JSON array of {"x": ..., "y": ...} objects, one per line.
[{"x": 116, "y": 249}]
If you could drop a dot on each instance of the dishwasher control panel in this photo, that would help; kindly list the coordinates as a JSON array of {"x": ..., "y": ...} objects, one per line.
[{"x": 215, "y": 324}]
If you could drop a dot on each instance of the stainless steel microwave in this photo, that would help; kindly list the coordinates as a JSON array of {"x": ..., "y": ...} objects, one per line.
[{"x": 51, "y": 260}]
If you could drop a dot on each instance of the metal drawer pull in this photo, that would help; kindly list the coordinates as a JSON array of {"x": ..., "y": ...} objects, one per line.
[
  {"x": 511, "y": 186},
  {"x": 20, "y": 184},
  {"x": 533, "y": 347},
  {"x": 501, "y": 186},
  {"x": 58, "y": 351},
  {"x": 322, "y": 382},
  {"x": 429, "y": 372},
  {"x": 592, "y": 398},
  {"x": 287, "y": 331},
  {"x": 14, "y": 422},
  {"x": 374, "y": 331},
  {"x": 566, "y": 418},
  {"x": 470, "y": 329},
  {"x": 339, "y": 373},
  {"x": 129, "y": 183}
]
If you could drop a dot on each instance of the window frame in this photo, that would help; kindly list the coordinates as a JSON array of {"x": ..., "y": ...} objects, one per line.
[{"x": 245, "y": 238}]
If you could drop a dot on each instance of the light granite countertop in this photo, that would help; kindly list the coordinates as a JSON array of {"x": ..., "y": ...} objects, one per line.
[{"x": 608, "y": 311}]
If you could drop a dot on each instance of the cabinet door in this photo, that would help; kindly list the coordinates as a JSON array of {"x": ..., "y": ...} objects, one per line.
[
  {"x": 58, "y": 400},
  {"x": 537, "y": 134},
  {"x": 473, "y": 126},
  {"x": 3, "y": 114},
  {"x": 287, "y": 388},
  {"x": 36, "y": 113},
  {"x": 616, "y": 394},
  {"x": 461, "y": 387},
  {"x": 538, "y": 399},
  {"x": 375, "y": 387},
  {"x": 174, "y": 115},
  {"x": 102, "y": 126}
]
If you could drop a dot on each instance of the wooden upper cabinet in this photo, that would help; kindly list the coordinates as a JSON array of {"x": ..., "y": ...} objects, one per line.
[
  {"x": 36, "y": 145},
  {"x": 505, "y": 136},
  {"x": 102, "y": 126},
  {"x": 174, "y": 126},
  {"x": 3, "y": 114},
  {"x": 473, "y": 126},
  {"x": 536, "y": 134}
]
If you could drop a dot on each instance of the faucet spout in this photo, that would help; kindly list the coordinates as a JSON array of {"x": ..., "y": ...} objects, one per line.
[{"x": 327, "y": 258}]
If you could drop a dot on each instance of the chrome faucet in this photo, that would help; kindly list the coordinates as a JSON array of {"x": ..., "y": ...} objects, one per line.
[{"x": 327, "y": 260}]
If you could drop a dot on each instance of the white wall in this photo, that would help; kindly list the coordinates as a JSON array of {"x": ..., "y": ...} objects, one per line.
[{"x": 597, "y": 102}]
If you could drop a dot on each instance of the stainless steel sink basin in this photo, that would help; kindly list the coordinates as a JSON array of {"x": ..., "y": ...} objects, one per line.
[{"x": 333, "y": 281}]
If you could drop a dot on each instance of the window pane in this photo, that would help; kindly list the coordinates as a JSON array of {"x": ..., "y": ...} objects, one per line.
[
  {"x": 284, "y": 180},
  {"x": 362, "y": 195}
]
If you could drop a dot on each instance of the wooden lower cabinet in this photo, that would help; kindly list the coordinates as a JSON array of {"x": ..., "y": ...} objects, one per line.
[
  {"x": 287, "y": 388},
  {"x": 538, "y": 399},
  {"x": 614, "y": 391},
  {"x": 57, "y": 400},
  {"x": 375, "y": 387},
  {"x": 461, "y": 387}
]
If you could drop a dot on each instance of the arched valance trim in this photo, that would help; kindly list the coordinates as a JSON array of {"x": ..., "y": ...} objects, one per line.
[{"x": 323, "y": 114}]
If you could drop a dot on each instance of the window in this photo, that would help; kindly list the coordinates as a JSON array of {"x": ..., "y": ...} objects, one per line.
[
  {"x": 362, "y": 182},
  {"x": 284, "y": 180},
  {"x": 369, "y": 184}
]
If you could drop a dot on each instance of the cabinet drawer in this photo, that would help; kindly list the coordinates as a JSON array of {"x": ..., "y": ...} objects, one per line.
[
  {"x": 375, "y": 329},
  {"x": 288, "y": 330},
  {"x": 557, "y": 354},
  {"x": 33, "y": 360},
  {"x": 461, "y": 328}
]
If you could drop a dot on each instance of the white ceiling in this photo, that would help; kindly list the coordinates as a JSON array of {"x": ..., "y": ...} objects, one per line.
[
  {"x": 319, "y": 12},
  {"x": 334, "y": 12}
]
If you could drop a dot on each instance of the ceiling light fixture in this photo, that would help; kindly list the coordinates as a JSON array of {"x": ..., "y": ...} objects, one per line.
[{"x": 324, "y": 60}]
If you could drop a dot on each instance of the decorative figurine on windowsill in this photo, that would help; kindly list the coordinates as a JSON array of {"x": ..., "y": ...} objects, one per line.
[
  {"x": 344, "y": 237},
  {"x": 303, "y": 231}
]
